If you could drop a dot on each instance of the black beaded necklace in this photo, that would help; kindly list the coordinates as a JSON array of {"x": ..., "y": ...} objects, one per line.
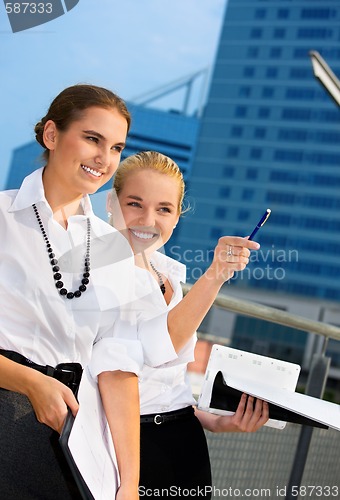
[
  {"x": 159, "y": 276},
  {"x": 54, "y": 262}
]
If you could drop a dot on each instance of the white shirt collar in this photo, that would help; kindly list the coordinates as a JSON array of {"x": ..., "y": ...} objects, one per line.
[
  {"x": 168, "y": 266},
  {"x": 32, "y": 191}
]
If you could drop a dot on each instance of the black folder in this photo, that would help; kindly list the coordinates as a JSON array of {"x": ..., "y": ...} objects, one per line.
[
  {"x": 231, "y": 372},
  {"x": 87, "y": 444},
  {"x": 63, "y": 441},
  {"x": 226, "y": 398}
]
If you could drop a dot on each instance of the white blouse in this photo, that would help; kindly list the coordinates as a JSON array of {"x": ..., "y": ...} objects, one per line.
[
  {"x": 49, "y": 329},
  {"x": 165, "y": 387}
]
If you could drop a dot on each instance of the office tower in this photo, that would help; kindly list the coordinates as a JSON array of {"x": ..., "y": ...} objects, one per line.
[{"x": 269, "y": 137}]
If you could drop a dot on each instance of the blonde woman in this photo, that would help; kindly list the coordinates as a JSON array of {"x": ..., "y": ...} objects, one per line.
[{"x": 146, "y": 203}]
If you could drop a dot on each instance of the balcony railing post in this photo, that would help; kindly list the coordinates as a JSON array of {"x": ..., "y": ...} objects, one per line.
[
  {"x": 315, "y": 387},
  {"x": 318, "y": 372}
]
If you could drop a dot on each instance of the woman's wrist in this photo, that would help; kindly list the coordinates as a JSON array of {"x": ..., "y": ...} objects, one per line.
[{"x": 217, "y": 277}]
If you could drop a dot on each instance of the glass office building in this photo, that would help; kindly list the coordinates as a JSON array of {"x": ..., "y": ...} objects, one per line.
[{"x": 269, "y": 138}]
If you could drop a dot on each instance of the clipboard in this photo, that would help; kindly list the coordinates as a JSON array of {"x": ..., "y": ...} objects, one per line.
[
  {"x": 63, "y": 441},
  {"x": 87, "y": 445},
  {"x": 231, "y": 372}
]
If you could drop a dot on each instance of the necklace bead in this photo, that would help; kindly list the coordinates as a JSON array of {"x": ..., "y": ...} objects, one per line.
[
  {"x": 54, "y": 262},
  {"x": 160, "y": 279}
]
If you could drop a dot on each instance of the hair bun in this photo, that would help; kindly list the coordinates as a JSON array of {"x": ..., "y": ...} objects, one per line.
[{"x": 39, "y": 131}]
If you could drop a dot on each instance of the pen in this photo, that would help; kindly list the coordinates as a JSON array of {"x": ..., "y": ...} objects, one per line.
[{"x": 261, "y": 222}]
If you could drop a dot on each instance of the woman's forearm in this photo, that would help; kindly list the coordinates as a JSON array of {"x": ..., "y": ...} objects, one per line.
[
  {"x": 49, "y": 397},
  {"x": 231, "y": 255},
  {"x": 16, "y": 377},
  {"x": 120, "y": 397},
  {"x": 186, "y": 317}
]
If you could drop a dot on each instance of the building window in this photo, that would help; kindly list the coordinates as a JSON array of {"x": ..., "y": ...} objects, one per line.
[
  {"x": 271, "y": 72},
  {"x": 300, "y": 73},
  {"x": 314, "y": 33},
  {"x": 263, "y": 112},
  {"x": 330, "y": 53},
  {"x": 236, "y": 132},
  {"x": 283, "y": 14},
  {"x": 293, "y": 134},
  {"x": 302, "y": 289},
  {"x": 224, "y": 192},
  {"x": 284, "y": 176},
  {"x": 287, "y": 155},
  {"x": 240, "y": 111},
  {"x": 326, "y": 115},
  {"x": 281, "y": 219},
  {"x": 300, "y": 93},
  {"x": 306, "y": 267},
  {"x": 333, "y": 295},
  {"x": 330, "y": 137},
  {"x": 320, "y": 201},
  {"x": 243, "y": 215},
  {"x": 268, "y": 92},
  {"x": 255, "y": 153},
  {"x": 333, "y": 271},
  {"x": 323, "y": 158},
  {"x": 256, "y": 33},
  {"x": 318, "y": 13},
  {"x": 326, "y": 180},
  {"x": 216, "y": 233},
  {"x": 275, "y": 52},
  {"x": 247, "y": 194},
  {"x": 296, "y": 114},
  {"x": 260, "y": 133},
  {"x": 301, "y": 53},
  {"x": 260, "y": 13},
  {"x": 232, "y": 151},
  {"x": 315, "y": 223},
  {"x": 279, "y": 33},
  {"x": 249, "y": 71},
  {"x": 220, "y": 212},
  {"x": 244, "y": 91},
  {"x": 251, "y": 174},
  {"x": 280, "y": 197},
  {"x": 253, "y": 52},
  {"x": 228, "y": 171}
]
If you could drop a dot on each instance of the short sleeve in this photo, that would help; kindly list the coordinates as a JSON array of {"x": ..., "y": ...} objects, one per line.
[
  {"x": 156, "y": 341},
  {"x": 111, "y": 354}
]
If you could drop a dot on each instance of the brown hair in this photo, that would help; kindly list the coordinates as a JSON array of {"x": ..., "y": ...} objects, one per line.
[
  {"x": 150, "y": 160},
  {"x": 69, "y": 104}
]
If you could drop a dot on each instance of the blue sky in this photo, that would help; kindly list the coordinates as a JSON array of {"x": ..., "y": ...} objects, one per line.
[{"x": 130, "y": 46}]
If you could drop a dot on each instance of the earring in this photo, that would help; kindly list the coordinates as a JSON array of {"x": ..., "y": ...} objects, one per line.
[{"x": 109, "y": 215}]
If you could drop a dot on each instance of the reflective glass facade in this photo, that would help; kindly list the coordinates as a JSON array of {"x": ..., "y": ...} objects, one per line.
[{"x": 269, "y": 138}]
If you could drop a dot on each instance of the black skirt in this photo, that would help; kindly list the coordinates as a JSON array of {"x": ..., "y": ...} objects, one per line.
[
  {"x": 32, "y": 464},
  {"x": 174, "y": 460}
]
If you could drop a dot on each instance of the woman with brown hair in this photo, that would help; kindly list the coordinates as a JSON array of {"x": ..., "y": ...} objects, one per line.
[{"x": 51, "y": 315}]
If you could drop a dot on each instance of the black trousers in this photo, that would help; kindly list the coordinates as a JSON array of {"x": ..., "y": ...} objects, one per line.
[
  {"x": 32, "y": 465},
  {"x": 175, "y": 459}
]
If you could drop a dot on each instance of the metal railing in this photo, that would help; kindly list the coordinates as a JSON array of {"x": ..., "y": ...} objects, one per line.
[
  {"x": 318, "y": 372},
  {"x": 273, "y": 315}
]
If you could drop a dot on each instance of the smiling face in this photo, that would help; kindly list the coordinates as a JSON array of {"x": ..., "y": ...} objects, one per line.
[
  {"x": 149, "y": 205},
  {"x": 86, "y": 155}
]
